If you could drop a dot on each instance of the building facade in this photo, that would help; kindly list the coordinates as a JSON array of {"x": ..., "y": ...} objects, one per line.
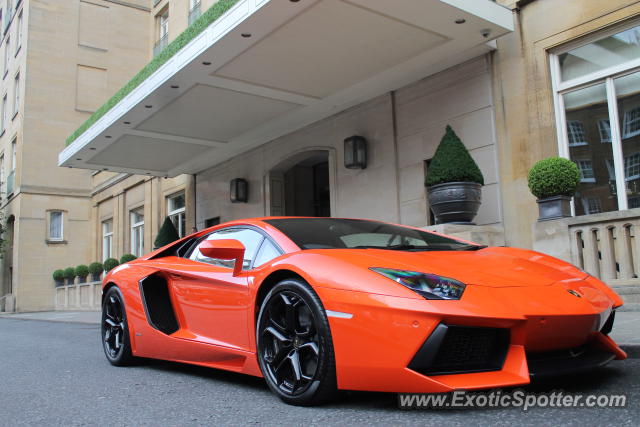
[{"x": 61, "y": 60}]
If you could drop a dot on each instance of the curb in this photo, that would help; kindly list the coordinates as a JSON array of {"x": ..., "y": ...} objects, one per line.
[{"x": 78, "y": 322}]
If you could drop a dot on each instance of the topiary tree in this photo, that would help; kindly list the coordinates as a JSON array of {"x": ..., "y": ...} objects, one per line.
[
  {"x": 110, "y": 264},
  {"x": 82, "y": 271},
  {"x": 127, "y": 257},
  {"x": 58, "y": 277},
  {"x": 167, "y": 234},
  {"x": 452, "y": 163},
  {"x": 554, "y": 176},
  {"x": 96, "y": 269},
  {"x": 70, "y": 274}
]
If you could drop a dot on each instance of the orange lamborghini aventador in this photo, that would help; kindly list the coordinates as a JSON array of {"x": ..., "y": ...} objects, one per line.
[{"x": 319, "y": 304}]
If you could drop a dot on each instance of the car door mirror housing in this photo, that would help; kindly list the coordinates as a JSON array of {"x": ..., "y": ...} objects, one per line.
[{"x": 224, "y": 249}]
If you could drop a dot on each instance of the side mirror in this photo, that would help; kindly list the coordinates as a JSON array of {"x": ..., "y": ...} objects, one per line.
[{"x": 224, "y": 249}]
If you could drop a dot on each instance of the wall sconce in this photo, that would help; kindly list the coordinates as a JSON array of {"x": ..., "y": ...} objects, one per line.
[
  {"x": 239, "y": 191},
  {"x": 355, "y": 152}
]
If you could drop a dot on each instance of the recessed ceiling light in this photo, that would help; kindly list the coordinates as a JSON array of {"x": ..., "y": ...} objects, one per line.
[
  {"x": 92, "y": 148},
  {"x": 79, "y": 159},
  {"x": 175, "y": 87},
  {"x": 105, "y": 169},
  {"x": 246, "y": 35},
  {"x": 294, "y": 1},
  {"x": 460, "y": 21},
  {"x": 148, "y": 106},
  {"x": 108, "y": 136},
  {"x": 127, "y": 123},
  {"x": 206, "y": 63}
]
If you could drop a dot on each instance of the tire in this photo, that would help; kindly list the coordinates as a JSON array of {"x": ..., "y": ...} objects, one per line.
[
  {"x": 294, "y": 345},
  {"x": 116, "y": 342}
]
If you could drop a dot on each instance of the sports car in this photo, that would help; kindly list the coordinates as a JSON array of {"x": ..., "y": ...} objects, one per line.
[{"x": 315, "y": 305}]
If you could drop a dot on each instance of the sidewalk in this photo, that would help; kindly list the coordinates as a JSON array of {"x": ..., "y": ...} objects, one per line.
[{"x": 626, "y": 329}]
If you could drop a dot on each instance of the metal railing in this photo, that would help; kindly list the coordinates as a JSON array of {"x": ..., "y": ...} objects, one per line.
[
  {"x": 160, "y": 44},
  {"x": 194, "y": 13},
  {"x": 608, "y": 249},
  {"x": 10, "y": 182}
]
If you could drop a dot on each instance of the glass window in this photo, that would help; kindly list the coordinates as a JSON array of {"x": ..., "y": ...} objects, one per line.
[
  {"x": 575, "y": 133},
  {"x": 249, "y": 238},
  {"x": 266, "y": 253},
  {"x": 586, "y": 170},
  {"x": 601, "y": 54},
  {"x": 107, "y": 239},
  {"x": 627, "y": 90},
  {"x": 137, "y": 232},
  {"x": 55, "y": 225},
  {"x": 604, "y": 127},
  {"x": 334, "y": 233},
  {"x": 16, "y": 89},
  {"x": 587, "y": 106},
  {"x": 7, "y": 55},
  {"x": 176, "y": 212}
]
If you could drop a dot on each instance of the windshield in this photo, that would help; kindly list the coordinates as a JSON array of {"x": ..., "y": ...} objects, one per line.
[{"x": 335, "y": 233}]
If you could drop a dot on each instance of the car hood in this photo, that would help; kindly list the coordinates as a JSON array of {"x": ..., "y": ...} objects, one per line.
[{"x": 493, "y": 267}]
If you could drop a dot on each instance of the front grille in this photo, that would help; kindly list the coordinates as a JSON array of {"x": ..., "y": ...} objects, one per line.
[{"x": 454, "y": 349}]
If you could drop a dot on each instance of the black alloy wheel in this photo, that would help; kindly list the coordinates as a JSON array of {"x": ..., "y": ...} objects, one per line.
[
  {"x": 295, "y": 351},
  {"x": 115, "y": 331}
]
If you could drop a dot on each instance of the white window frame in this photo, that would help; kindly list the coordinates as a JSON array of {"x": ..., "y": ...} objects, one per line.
[
  {"x": 19, "y": 32},
  {"x": 604, "y": 130},
  {"x": 1, "y": 173},
  {"x": 4, "y": 118},
  {"x": 606, "y": 76},
  {"x": 179, "y": 212},
  {"x": 51, "y": 237},
  {"x": 583, "y": 162},
  {"x": 107, "y": 239},
  {"x": 14, "y": 154},
  {"x": 628, "y": 165},
  {"x": 137, "y": 233},
  {"x": 7, "y": 55},
  {"x": 575, "y": 131},
  {"x": 163, "y": 24},
  {"x": 16, "y": 94}
]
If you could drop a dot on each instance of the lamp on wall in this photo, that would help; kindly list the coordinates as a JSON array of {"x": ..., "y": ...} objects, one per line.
[
  {"x": 239, "y": 191},
  {"x": 355, "y": 152}
]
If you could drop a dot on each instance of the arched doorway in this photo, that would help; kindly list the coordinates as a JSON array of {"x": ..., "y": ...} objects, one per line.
[{"x": 301, "y": 185}]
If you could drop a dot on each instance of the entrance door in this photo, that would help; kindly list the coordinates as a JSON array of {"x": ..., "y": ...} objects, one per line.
[{"x": 300, "y": 186}]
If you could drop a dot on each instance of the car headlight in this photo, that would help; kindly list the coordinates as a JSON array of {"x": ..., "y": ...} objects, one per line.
[{"x": 430, "y": 286}]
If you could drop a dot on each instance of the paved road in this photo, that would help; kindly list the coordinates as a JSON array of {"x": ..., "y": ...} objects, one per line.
[{"x": 56, "y": 374}]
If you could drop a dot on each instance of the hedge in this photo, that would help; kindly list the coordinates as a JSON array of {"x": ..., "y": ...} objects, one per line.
[
  {"x": 96, "y": 268},
  {"x": 452, "y": 163},
  {"x": 127, "y": 257},
  {"x": 110, "y": 264},
  {"x": 69, "y": 273},
  {"x": 82, "y": 270},
  {"x": 212, "y": 14},
  {"x": 58, "y": 275},
  {"x": 554, "y": 176},
  {"x": 167, "y": 234}
]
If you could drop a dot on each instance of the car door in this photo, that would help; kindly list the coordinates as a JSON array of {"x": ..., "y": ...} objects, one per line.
[{"x": 212, "y": 302}]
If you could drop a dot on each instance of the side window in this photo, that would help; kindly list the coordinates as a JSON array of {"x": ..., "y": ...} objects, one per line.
[
  {"x": 249, "y": 238},
  {"x": 266, "y": 253}
]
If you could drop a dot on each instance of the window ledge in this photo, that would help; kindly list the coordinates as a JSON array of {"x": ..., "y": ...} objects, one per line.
[
  {"x": 3, "y": 132},
  {"x": 17, "y": 51},
  {"x": 56, "y": 242},
  {"x": 14, "y": 115},
  {"x": 5, "y": 74}
]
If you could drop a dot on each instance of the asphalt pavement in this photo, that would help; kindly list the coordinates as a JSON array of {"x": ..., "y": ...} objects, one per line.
[{"x": 54, "y": 373}]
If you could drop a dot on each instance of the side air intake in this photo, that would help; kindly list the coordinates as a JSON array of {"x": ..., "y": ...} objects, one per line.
[{"x": 154, "y": 291}]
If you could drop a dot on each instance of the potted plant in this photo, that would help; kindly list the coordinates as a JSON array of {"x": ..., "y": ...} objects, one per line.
[
  {"x": 167, "y": 234},
  {"x": 554, "y": 181},
  {"x": 82, "y": 271},
  {"x": 96, "y": 269},
  {"x": 58, "y": 277},
  {"x": 127, "y": 257},
  {"x": 454, "y": 182},
  {"x": 110, "y": 264},
  {"x": 70, "y": 275}
]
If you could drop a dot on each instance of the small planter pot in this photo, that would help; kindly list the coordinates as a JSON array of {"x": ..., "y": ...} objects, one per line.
[
  {"x": 455, "y": 202},
  {"x": 82, "y": 280},
  {"x": 554, "y": 207},
  {"x": 95, "y": 277},
  {"x": 59, "y": 283}
]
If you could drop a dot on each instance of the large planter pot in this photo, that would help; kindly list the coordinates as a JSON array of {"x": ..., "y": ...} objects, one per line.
[
  {"x": 455, "y": 202},
  {"x": 59, "y": 283},
  {"x": 554, "y": 207},
  {"x": 96, "y": 277},
  {"x": 82, "y": 279}
]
